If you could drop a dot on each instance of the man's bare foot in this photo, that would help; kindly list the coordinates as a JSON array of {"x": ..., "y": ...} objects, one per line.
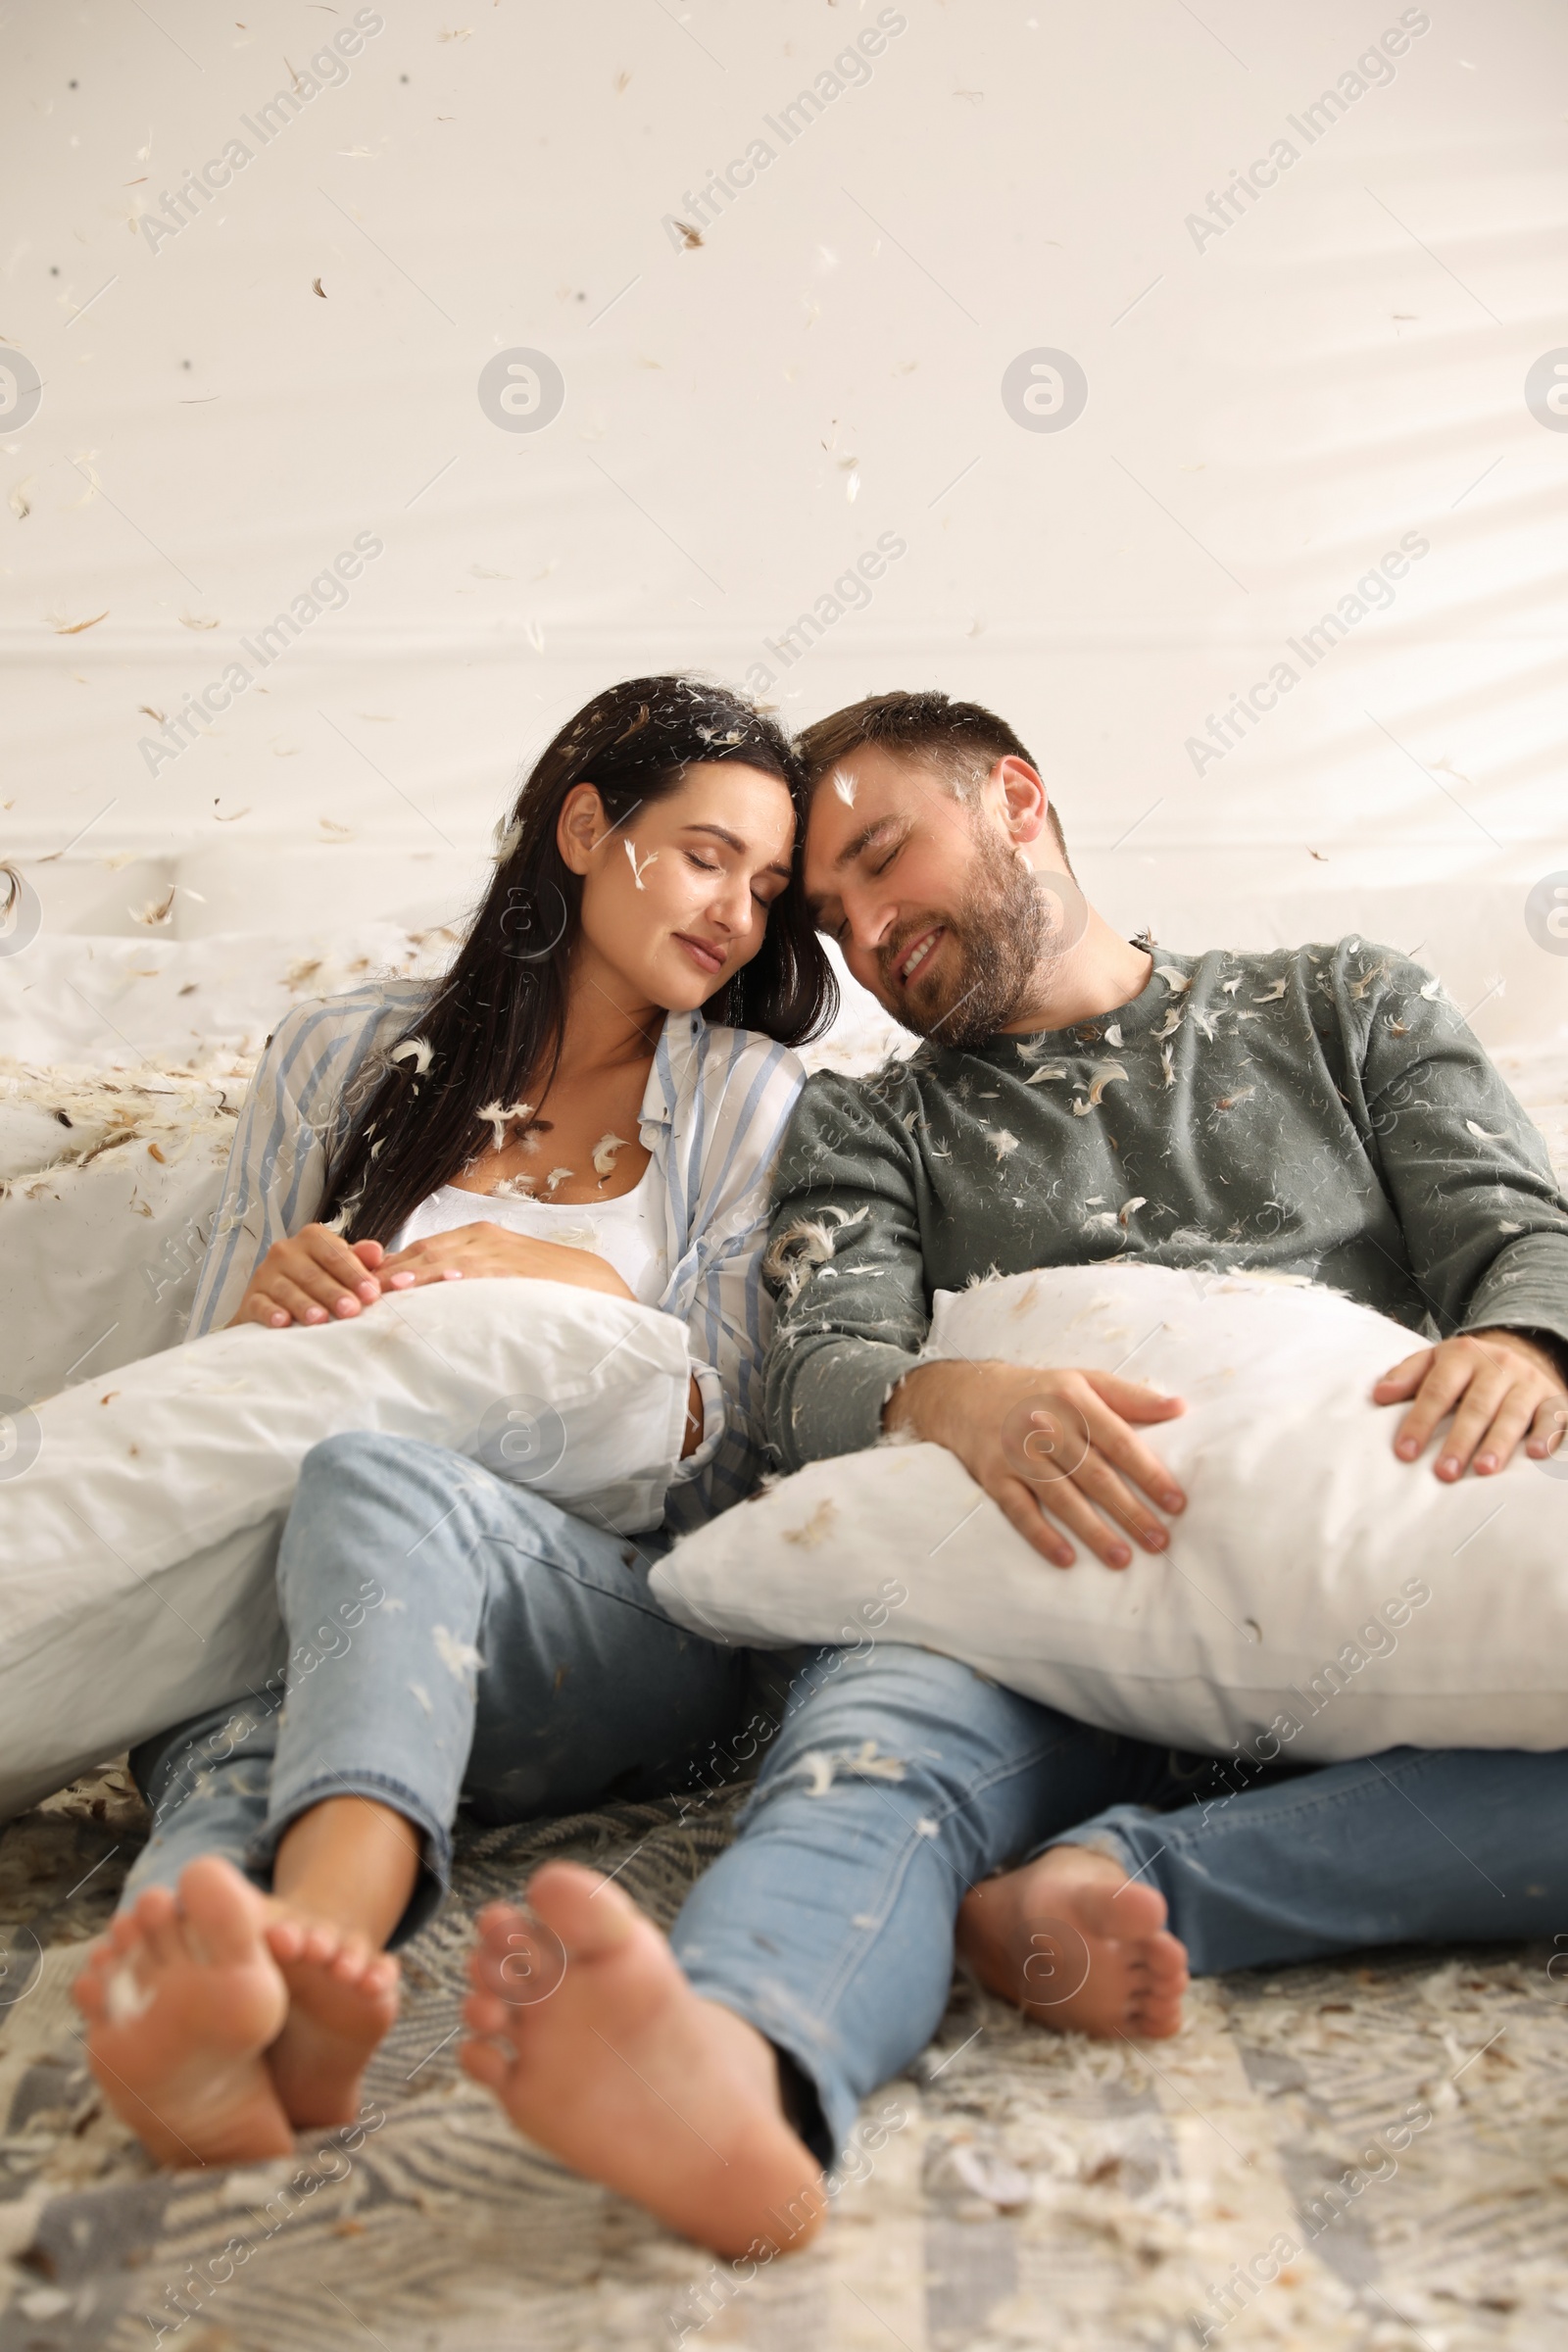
[
  {"x": 181, "y": 1999},
  {"x": 342, "y": 2000},
  {"x": 1077, "y": 1944},
  {"x": 599, "y": 2050}
]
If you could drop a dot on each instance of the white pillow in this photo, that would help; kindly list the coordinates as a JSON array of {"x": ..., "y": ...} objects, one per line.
[
  {"x": 140, "y": 1513},
  {"x": 1319, "y": 1598}
]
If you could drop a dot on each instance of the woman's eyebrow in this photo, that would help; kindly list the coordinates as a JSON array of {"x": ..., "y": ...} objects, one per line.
[{"x": 722, "y": 833}]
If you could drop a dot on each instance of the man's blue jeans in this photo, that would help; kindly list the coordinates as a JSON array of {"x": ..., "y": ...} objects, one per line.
[
  {"x": 900, "y": 1779},
  {"x": 453, "y": 1636}
]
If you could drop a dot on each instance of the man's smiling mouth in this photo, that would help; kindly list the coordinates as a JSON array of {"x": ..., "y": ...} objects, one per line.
[{"x": 910, "y": 964}]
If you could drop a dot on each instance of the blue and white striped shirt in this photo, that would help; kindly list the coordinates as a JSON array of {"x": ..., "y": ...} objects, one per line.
[{"x": 712, "y": 1117}]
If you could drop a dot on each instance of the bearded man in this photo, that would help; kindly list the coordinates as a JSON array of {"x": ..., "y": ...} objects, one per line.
[{"x": 1313, "y": 1110}]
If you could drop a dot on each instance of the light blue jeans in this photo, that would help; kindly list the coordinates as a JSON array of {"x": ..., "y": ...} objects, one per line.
[
  {"x": 454, "y": 1636},
  {"x": 450, "y": 1636}
]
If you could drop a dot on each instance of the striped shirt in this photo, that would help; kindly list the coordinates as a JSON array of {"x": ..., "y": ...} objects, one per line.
[{"x": 712, "y": 1117}]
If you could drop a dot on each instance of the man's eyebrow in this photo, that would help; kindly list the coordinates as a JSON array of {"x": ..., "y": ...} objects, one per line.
[
  {"x": 722, "y": 833},
  {"x": 861, "y": 841}
]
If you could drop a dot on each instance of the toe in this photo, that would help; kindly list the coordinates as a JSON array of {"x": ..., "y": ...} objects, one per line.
[
  {"x": 484, "y": 2063},
  {"x": 222, "y": 1910}
]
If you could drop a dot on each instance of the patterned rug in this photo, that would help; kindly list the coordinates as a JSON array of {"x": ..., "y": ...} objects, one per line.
[{"x": 1372, "y": 2155}]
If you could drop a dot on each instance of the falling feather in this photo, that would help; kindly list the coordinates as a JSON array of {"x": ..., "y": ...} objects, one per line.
[
  {"x": 1056, "y": 1069},
  {"x": 1243, "y": 1093},
  {"x": 499, "y": 1117},
  {"x": 795, "y": 1255},
  {"x": 1205, "y": 1022},
  {"x": 1172, "y": 1022},
  {"x": 1485, "y": 1134},
  {"x": 606, "y": 1152},
  {"x": 1229, "y": 987},
  {"x": 1113, "y": 1034},
  {"x": 1432, "y": 989},
  {"x": 1398, "y": 1028},
  {"x": 508, "y": 841},
  {"x": 1107, "y": 1075},
  {"x": 517, "y": 1188},
  {"x": 1271, "y": 996},
  {"x": 1177, "y": 982},
  {"x": 416, "y": 1050},
  {"x": 1004, "y": 1144},
  {"x": 555, "y": 1177},
  {"x": 1129, "y": 1208},
  {"x": 638, "y": 872},
  {"x": 845, "y": 786},
  {"x": 1167, "y": 1063}
]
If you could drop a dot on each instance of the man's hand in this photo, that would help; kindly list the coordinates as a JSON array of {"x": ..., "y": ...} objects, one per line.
[
  {"x": 311, "y": 1276},
  {"x": 1041, "y": 1441},
  {"x": 1499, "y": 1387},
  {"x": 486, "y": 1249}
]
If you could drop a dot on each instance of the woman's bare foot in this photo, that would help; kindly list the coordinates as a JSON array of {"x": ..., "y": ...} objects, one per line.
[
  {"x": 181, "y": 1999},
  {"x": 599, "y": 2050},
  {"x": 342, "y": 2001},
  {"x": 1078, "y": 1944}
]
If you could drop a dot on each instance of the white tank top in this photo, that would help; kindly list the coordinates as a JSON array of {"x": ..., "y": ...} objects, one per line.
[{"x": 627, "y": 1231}]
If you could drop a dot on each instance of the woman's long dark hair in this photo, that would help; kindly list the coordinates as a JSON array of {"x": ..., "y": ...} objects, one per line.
[{"x": 493, "y": 1025}]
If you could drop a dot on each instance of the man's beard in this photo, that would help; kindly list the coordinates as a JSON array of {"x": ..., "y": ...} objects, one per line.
[{"x": 1002, "y": 934}]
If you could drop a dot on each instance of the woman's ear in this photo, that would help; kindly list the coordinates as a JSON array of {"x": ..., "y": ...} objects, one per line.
[{"x": 581, "y": 827}]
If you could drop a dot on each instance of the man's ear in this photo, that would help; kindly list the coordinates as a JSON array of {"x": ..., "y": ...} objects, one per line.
[
  {"x": 1023, "y": 803},
  {"x": 581, "y": 827}
]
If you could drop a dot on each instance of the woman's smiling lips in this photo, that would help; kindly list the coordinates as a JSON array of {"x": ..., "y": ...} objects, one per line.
[
  {"x": 705, "y": 956},
  {"x": 917, "y": 954}
]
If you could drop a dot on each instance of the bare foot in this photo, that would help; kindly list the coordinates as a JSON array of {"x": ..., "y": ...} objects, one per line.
[
  {"x": 599, "y": 2050},
  {"x": 343, "y": 1999},
  {"x": 1077, "y": 1944},
  {"x": 181, "y": 1998}
]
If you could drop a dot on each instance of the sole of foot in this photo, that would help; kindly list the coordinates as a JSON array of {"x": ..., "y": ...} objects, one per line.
[
  {"x": 1076, "y": 1945},
  {"x": 600, "y": 2051},
  {"x": 343, "y": 2000},
  {"x": 181, "y": 1998}
]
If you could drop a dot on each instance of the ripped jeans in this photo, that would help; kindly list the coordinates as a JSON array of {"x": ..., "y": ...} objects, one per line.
[
  {"x": 452, "y": 1636},
  {"x": 899, "y": 1778}
]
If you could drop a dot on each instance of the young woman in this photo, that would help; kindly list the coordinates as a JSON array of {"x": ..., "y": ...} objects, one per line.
[{"x": 593, "y": 1095}]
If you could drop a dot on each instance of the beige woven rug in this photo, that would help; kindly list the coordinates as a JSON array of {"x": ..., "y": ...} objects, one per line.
[{"x": 1032, "y": 2190}]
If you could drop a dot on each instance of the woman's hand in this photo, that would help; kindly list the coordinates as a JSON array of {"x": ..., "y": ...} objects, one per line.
[
  {"x": 486, "y": 1249},
  {"x": 1499, "y": 1387},
  {"x": 311, "y": 1276}
]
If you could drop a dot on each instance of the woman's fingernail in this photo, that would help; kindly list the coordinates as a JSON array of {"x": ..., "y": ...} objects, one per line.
[
  {"x": 1448, "y": 1467},
  {"x": 1405, "y": 1450},
  {"x": 316, "y": 1314},
  {"x": 1156, "y": 1538},
  {"x": 1174, "y": 1500},
  {"x": 452, "y": 1274},
  {"x": 279, "y": 1321},
  {"x": 1485, "y": 1462},
  {"x": 346, "y": 1305},
  {"x": 370, "y": 1290},
  {"x": 1118, "y": 1556},
  {"x": 400, "y": 1282}
]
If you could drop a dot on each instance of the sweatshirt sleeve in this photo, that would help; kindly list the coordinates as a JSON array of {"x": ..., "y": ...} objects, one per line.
[
  {"x": 845, "y": 1266},
  {"x": 1485, "y": 1225}
]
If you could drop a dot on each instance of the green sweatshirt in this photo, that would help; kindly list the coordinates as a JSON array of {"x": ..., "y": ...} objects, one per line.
[{"x": 1316, "y": 1110}]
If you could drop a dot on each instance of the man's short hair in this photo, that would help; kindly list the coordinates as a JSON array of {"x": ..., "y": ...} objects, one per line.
[{"x": 961, "y": 741}]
